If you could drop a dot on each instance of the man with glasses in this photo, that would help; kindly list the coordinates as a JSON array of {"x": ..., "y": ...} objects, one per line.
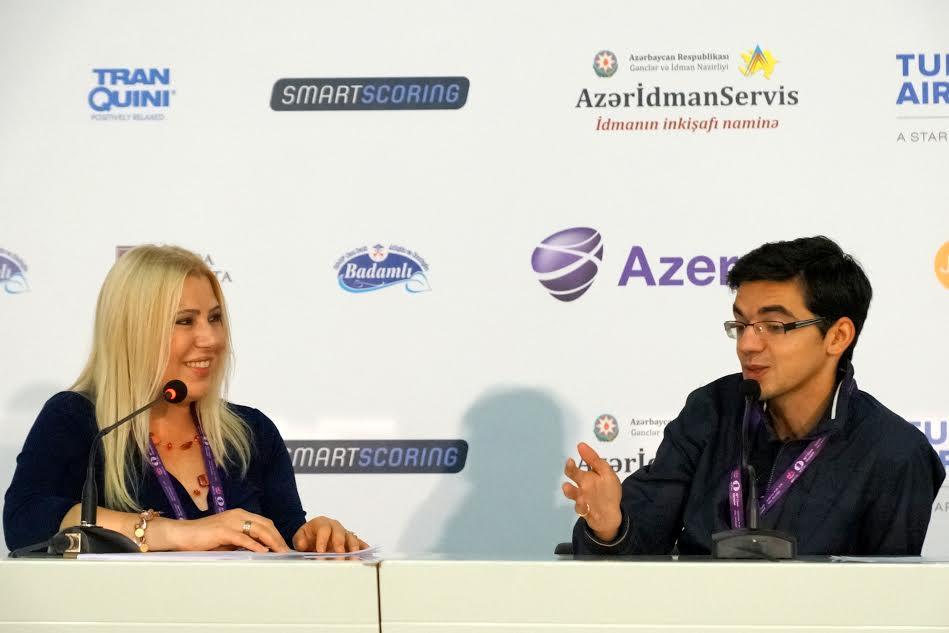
[{"x": 863, "y": 480}]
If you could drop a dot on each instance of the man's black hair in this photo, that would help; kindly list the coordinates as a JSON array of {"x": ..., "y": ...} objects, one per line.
[{"x": 833, "y": 282}]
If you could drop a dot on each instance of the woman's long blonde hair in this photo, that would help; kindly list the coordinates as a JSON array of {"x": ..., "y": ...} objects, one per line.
[{"x": 135, "y": 315}]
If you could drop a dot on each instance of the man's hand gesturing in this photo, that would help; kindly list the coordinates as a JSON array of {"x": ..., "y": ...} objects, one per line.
[{"x": 597, "y": 493}]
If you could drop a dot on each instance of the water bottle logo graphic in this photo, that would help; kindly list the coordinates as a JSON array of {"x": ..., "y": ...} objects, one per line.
[{"x": 567, "y": 262}]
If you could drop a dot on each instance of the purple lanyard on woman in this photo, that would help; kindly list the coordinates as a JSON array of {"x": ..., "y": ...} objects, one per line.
[
  {"x": 214, "y": 480},
  {"x": 736, "y": 498}
]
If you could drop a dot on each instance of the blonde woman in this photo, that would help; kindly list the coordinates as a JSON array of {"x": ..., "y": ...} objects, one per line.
[{"x": 199, "y": 475}]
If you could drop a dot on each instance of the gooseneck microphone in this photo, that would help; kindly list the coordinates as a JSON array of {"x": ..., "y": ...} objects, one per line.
[
  {"x": 751, "y": 391},
  {"x": 751, "y": 542},
  {"x": 87, "y": 537}
]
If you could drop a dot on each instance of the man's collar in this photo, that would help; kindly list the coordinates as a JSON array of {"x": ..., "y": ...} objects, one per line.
[{"x": 836, "y": 414}]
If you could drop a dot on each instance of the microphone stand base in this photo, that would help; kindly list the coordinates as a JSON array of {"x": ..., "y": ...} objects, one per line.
[
  {"x": 754, "y": 544},
  {"x": 90, "y": 539}
]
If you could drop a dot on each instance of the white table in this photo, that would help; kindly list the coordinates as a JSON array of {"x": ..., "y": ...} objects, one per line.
[
  {"x": 152, "y": 596},
  {"x": 666, "y": 596},
  {"x": 467, "y": 596}
]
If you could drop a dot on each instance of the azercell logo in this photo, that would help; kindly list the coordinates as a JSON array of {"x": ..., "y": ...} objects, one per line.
[
  {"x": 370, "y": 93},
  {"x": 138, "y": 91},
  {"x": 699, "y": 270},
  {"x": 12, "y": 274},
  {"x": 567, "y": 262}
]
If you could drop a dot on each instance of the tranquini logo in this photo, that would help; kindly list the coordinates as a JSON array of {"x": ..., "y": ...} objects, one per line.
[
  {"x": 567, "y": 262},
  {"x": 130, "y": 89},
  {"x": 758, "y": 61},
  {"x": 605, "y": 64},
  {"x": 369, "y": 268},
  {"x": 12, "y": 274}
]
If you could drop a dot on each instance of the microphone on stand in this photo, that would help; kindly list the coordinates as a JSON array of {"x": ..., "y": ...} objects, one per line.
[
  {"x": 751, "y": 392},
  {"x": 752, "y": 542},
  {"x": 87, "y": 537}
]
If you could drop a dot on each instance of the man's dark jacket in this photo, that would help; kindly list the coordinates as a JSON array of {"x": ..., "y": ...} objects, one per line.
[{"x": 870, "y": 490}]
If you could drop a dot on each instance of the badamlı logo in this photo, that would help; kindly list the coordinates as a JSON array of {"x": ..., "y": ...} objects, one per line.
[
  {"x": 567, "y": 262},
  {"x": 605, "y": 64},
  {"x": 375, "y": 267}
]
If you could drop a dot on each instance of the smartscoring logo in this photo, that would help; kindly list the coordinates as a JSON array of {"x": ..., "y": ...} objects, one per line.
[
  {"x": 377, "y": 456},
  {"x": 370, "y": 93},
  {"x": 140, "y": 91},
  {"x": 369, "y": 268},
  {"x": 12, "y": 273}
]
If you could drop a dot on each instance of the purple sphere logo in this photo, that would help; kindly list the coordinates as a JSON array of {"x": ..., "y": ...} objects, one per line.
[{"x": 566, "y": 262}]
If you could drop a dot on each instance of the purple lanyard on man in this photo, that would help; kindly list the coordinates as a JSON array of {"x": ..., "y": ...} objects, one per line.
[
  {"x": 736, "y": 497},
  {"x": 210, "y": 467},
  {"x": 780, "y": 487}
]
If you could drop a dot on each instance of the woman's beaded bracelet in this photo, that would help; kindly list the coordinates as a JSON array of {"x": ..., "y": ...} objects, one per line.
[{"x": 141, "y": 526}]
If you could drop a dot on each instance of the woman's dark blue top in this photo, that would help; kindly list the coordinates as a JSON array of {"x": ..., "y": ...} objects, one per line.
[{"x": 52, "y": 466}]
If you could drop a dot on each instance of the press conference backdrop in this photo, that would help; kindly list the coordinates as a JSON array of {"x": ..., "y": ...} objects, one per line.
[{"x": 457, "y": 238}]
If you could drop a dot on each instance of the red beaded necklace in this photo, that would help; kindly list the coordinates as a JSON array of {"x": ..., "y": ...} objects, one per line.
[
  {"x": 168, "y": 445},
  {"x": 202, "y": 478}
]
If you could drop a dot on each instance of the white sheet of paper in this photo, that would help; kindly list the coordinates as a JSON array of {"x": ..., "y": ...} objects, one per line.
[{"x": 363, "y": 554}]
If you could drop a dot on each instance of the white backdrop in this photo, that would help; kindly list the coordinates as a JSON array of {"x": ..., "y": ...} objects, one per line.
[{"x": 275, "y": 198}]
